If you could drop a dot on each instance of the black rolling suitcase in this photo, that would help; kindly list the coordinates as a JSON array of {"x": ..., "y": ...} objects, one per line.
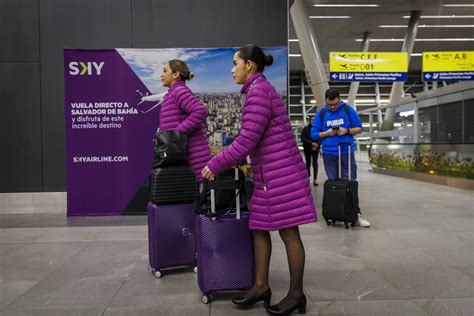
[
  {"x": 173, "y": 184},
  {"x": 341, "y": 201}
]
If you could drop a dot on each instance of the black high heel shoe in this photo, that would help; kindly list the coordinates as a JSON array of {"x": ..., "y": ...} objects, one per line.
[
  {"x": 249, "y": 302},
  {"x": 300, "y": 306}
]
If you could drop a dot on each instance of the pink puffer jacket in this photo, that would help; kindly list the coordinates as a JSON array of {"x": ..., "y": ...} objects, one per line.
[
  {"x": 182, "y": 111},
  {"x": 282, "y": 196}
]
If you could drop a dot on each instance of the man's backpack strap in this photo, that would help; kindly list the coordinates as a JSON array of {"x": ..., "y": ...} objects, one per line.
[{"x": 346, "y": 109}]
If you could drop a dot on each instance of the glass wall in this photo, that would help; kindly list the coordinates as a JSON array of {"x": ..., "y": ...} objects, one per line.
[
  {"x": 404, "y": 122},
  {"x": 443, "y": 123},
  {"x": 469, "y": 121},
  {"x": 452, "y": 160},
  {"x": 427, "y": 129},
  {"x": 450, "y": 123}
]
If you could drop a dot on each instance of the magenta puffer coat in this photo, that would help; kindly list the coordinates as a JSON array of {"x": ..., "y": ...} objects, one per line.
[
  {"x": 182, "y": 111},
  {"x": 282, "y": 196}
]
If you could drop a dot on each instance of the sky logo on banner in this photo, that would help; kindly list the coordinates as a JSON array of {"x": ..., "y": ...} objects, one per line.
[{"x": 85, "y": 68}]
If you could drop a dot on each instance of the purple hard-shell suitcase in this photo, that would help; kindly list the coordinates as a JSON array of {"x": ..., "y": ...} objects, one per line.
[
  {"x": 171, "y": 238},
  {"x": 225, "y": 260}
]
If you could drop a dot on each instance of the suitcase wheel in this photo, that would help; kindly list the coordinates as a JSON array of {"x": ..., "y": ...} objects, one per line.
[
  {"x": 157, "y": 273},
  {"x": 195, "y": 270},
  {"x": 334, "y": 222},
  {"x": 346, "y": 224},
  {"x": 206, "y": 299},
  {"x": 328, "y": 222}
]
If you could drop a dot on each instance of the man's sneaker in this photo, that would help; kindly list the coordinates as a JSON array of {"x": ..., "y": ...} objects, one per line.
[{"x": 362, "y": 222}]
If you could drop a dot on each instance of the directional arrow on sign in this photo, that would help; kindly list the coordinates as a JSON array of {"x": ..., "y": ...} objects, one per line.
[
  {"x": 428, "y": 76},
  {"x": 334, "y": 76}
]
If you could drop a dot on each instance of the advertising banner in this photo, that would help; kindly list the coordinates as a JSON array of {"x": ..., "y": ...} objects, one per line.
[
  {"x": 112, "y": 105},
  {"x": 443, "y": 66},
  {"x": 368, "y": 66}
]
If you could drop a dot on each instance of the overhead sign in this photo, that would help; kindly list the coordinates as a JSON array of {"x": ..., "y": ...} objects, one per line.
[
  {"x": 441, "y": 66},
  {"x": 368, "y": 66}
]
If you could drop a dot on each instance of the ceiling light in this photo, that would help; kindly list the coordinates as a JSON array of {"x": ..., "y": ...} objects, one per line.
[
  {"x": 346, "y": 5},
  {"x": 293, "y": 40},
  {"x": 452, "y": 16},
  {"x": 419, "y": 40},
  {"x": 371, "y": 101},
  {"x": 382, "y": 39},
  {"x": 416, "y": 55},
  {"x": 430, "y": 26},
  {"x": 312, "y": 101},
  {"x": 329, "y": 17},
  {"x": 407, "y": 113},
  {"x": 294, "y": 55},
  {"x": 458, "y": 5}
]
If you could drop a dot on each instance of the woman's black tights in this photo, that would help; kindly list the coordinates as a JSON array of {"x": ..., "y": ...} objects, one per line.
[
  {"x": 262, "y": 251},
  {"x": 296, "y": 259}
]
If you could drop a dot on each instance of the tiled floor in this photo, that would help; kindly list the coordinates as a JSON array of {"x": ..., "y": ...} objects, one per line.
[{"x": 416, "y": 259}]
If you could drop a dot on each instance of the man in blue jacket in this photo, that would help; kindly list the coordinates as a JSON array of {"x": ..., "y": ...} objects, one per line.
[{"x": 335, "y": 123}]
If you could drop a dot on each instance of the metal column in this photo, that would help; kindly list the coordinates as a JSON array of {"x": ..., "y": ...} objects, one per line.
[
  {"x": 397, "y": 87},
  {"x": 303, "y": 99},
  {"x": 416, "y": 124},
  {"x": 371, "y": 129},
  {"x": 316, "y": 74},
  {"x": 355, "y": 84},
  {"x": 379, "y": 103}
]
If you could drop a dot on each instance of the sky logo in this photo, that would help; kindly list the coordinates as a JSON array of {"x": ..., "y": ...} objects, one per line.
[{"x": 85, "y": 68}]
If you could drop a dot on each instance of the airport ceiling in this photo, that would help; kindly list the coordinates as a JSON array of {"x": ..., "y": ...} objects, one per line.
[{"x": 444, "y": 26}]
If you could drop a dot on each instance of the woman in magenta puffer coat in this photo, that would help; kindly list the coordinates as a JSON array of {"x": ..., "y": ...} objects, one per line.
[
  {"x": 182, "y": 111},
  {"x": 282, "y": 197}
]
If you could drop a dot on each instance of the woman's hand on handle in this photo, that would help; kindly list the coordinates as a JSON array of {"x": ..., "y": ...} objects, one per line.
[{"x": 207, "y": 173}]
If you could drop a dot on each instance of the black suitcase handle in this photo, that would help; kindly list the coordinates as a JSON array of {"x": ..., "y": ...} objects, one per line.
[
  {"x": 344, "y": 143},
  {"x": 234, "y": 184}
]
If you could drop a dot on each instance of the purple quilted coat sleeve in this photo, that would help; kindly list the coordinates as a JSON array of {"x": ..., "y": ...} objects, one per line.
[
  {"x": 255, "y": 117},
  {"x": 282, "y": 194}
]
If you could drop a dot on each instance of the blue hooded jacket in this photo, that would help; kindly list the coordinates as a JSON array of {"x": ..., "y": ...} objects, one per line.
[{"x": 338, "y": 118}]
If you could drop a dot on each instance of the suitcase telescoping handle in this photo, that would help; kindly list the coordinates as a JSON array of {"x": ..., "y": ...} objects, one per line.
[
  {"x": 339, "y": 159},
  {"x": 237, "y": 197}
]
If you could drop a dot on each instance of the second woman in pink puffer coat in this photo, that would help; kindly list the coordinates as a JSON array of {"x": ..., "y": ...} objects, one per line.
[
  {"x": 282, "y": 197},
  {"x": 182, "y": 111}
]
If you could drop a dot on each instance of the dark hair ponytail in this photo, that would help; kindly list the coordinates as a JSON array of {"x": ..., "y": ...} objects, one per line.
[
  {"x": 255, "y": 54},
  {"x": 180, "y": 66}
]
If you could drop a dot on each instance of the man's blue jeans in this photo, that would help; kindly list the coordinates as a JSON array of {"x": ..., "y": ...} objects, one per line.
[{"x": 332, "y": 166}]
